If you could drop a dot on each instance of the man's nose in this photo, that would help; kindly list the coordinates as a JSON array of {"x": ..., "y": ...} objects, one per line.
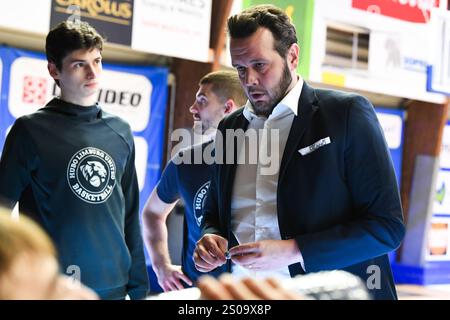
[
  {"x": 193, "y": 109},
  {"x": 251, "y": 78},
  {"x": 91, "y": 72}
]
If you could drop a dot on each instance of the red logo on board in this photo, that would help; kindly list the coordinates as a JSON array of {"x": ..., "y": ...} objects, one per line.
[
  {"x": 34, "y": 90},
  {"x": 417, "y": 11}
]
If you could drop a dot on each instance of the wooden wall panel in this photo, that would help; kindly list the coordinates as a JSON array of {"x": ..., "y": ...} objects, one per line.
[{"x": 423, "y": 135}]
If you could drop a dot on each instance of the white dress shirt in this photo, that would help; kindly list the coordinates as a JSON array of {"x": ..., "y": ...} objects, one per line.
[{"x": 254, "y": 196}]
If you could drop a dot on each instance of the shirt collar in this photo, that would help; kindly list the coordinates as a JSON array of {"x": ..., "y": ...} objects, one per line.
[
  {"x": 210, "y": 134},
  {"x": 291, "y": 99},
  {"x": 288, "y": 104}
]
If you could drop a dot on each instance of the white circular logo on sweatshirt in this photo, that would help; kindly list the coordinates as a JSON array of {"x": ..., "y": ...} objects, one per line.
[{"x": 91, "y": 175}]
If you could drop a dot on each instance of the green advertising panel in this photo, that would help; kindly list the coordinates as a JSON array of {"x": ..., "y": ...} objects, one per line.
[{"x": 301, "y": 13}]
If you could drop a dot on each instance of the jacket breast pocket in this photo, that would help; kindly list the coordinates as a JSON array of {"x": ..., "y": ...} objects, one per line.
[{"x": 314, "y": 147}]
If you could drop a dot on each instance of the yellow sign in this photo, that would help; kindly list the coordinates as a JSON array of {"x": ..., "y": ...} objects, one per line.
[
  {"x": 105, "y": 10},
  {"x": 334, "y": 79}
]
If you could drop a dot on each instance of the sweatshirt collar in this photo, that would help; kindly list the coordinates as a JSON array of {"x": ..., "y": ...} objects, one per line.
[{"x": 74, "y": 111}]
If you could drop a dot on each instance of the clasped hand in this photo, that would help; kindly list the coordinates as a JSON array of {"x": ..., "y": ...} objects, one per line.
[{"x": 262, "y": 255}]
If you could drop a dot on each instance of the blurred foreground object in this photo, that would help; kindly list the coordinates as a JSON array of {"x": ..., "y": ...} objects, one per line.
[
  {"x": 325, "y": 285},
  {"x": 28, "y": 265}
]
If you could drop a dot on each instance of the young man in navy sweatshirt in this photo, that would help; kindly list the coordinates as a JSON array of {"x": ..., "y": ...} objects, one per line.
[{"x": 70, "y": 165}]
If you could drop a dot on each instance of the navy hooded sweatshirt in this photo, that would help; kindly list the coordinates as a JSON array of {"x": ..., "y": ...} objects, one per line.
[{"x": 71, "y": 168}]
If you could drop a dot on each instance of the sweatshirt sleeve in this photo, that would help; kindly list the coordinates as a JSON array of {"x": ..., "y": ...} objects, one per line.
[
  {"x": 138, "y": 285},
  {"x": 167, "y": 188},
  {"x": 19, "y": 160}
]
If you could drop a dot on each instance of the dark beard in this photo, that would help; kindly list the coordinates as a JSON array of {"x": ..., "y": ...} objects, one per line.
[{"x": 266, "y": 108}]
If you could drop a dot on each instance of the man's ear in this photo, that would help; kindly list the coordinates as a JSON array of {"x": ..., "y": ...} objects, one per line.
[
  {"x": 230, "y": 106},
  {"x": 293, "y": 56},
  {"x": 53, "y": 70}
]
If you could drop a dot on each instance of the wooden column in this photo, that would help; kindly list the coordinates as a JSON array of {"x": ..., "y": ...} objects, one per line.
[
  {"x": 423, "y": 136},
  {"x": 188, "y": 73},
  {"x": 221, "y": 10}
]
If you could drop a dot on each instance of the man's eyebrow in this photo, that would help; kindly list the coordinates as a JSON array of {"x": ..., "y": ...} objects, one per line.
[
  {"x": 235, "y": 65},
  {"x": 83, "y": 60},
  {"x": 76, "y": 60},
  {"x": 258, "y": 60}
]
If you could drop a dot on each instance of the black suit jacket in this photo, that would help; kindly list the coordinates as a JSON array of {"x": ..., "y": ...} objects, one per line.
[{"x": 340, "y": 202}]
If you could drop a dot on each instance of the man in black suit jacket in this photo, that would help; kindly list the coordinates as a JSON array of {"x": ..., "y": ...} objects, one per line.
[{"x": 333, "y": 202}]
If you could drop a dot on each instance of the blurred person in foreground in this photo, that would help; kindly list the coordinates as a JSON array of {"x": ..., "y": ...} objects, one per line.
[
  {"x": 29, "y": 267},
  {"x": 226, "y": 287}
]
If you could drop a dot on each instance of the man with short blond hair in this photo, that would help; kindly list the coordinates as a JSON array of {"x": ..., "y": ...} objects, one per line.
[{"x": 219, "y": 94}]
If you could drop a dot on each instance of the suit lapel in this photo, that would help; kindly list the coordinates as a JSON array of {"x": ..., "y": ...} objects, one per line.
[{"x": 307, "y": 106}]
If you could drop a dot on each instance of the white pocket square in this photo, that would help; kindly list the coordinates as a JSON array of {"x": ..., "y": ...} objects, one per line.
[{"x": 315, "y": 146}]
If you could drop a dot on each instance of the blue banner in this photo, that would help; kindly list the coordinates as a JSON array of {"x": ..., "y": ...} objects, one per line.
[{"x": 392, "y": 122}]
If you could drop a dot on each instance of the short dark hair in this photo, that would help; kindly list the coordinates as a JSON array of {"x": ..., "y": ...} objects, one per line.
[
  {"x": 226, "y": 85},
  {"x": 67, "y": 37},
  {"x": 246, "y": 23}
]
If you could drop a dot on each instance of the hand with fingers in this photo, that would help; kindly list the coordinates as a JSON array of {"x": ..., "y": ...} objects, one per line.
[
  {"x": 228, "y": 288},
  {"x": 210, "y": 252},
  {"x": 266, "y": 254},
  {"x": 170, "y": 277}
]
